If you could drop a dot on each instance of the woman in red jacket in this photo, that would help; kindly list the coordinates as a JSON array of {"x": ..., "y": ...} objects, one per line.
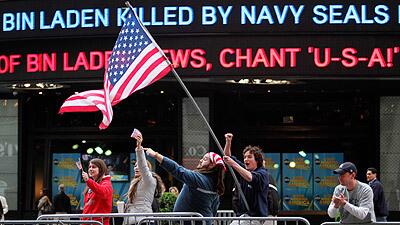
[{"x": 98, "y": 190}]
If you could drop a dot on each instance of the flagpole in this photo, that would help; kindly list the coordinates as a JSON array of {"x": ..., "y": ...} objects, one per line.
[{"x": 127, "y": 3}]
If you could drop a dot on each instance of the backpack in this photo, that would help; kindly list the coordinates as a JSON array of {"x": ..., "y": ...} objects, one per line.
[
  {"x": 273, "y": 200},
  {"x": 235, "y": 201},
  {"x": 273, "y": 197}
]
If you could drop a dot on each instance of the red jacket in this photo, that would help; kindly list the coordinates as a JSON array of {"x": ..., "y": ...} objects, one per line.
[{"x": 99, "y": 198}]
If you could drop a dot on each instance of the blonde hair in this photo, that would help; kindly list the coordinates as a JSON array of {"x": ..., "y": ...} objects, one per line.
[{"x": 160, "y": 188}]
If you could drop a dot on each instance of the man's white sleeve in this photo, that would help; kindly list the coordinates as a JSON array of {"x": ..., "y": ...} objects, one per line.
[{"x": 332, "y": 211}]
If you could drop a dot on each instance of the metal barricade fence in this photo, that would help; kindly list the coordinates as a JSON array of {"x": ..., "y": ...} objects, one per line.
[
  {"x": 50, "y": 222},
  {"x": 116, "y": 218},
  {"x": 226, "y": 213},
  {"x": 217, "y": 220},
  {"x": 376, "y": 223}
]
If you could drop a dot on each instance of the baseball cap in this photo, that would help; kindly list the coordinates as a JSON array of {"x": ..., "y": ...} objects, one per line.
[{"x": 346, "y": 167}]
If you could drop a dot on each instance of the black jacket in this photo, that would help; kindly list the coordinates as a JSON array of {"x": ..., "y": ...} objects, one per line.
[
  {"x": 380, "y": 206},
  {"x": 62, "y": 203}
]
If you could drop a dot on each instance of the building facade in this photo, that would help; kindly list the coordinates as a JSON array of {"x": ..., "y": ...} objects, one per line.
[{"x": 314, "y": 84}]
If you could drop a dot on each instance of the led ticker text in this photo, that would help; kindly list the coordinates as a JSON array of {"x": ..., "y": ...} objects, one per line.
[
  {"x": 204, "y": 15},
  {"x": 286, "y": 58}
]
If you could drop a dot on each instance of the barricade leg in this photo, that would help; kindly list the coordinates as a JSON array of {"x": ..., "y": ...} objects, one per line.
[
  {"x": 271, "y": 222},
  {"x": 246, "y": 222}
]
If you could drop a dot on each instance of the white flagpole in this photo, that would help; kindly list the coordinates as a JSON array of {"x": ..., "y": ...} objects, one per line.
[{"x": 196, "y": 106}]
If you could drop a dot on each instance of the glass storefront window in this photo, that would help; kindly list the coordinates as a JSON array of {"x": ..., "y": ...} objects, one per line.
[
  {"x": 390, "y": 150},
  {"x": 9, "y": 151},
  {"x": 195, "y": 136}
]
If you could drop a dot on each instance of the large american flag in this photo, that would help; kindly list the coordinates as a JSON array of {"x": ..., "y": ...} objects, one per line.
[{"x": 136, "y": 62}]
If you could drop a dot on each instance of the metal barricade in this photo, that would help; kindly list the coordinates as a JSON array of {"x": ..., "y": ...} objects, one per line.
[
  {"x": 217, "y": 220},
  {"x": 376, "y": 223},
  {"x": 116, "y": 218},
  {"x": 50, "y": 222},
  {"x": 225, "y": 213}
]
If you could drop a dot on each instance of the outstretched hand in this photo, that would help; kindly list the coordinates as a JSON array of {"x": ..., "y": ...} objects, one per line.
[
  {"x": 139, "y": 140},
  {"x": 150, "y": 152}
]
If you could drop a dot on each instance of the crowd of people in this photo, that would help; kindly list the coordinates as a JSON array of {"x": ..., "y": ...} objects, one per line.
[
  {"x": 201, "y": 189},
  {"x": 353, "y": 201}
]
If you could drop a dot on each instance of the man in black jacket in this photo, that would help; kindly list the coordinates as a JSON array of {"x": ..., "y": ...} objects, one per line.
[
  {"x": 380, "y": 206},
  {"x": 61, "y": 201}
]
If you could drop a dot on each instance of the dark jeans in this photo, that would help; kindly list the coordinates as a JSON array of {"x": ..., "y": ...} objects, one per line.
[{"x": 381, "y": 219}]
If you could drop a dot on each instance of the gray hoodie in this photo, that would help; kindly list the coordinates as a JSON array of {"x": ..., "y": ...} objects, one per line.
[{"x": 360, "y": 205}]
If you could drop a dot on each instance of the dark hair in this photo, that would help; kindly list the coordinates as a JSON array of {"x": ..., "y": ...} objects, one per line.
[
  {"x": 257, "y": 152},
  {"x": 218, "y": 175},
  {"x": 373, "y": 170},
  {"x": 160, "y": 187},
  {"x": 103, "y": 170},
  {"x": 220, "y": 181},
  {"x": 45, "y": 191}
]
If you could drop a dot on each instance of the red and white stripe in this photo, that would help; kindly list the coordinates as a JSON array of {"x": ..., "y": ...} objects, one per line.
[
  {"x": 147, "y": 68},
  {"x": 216, "y": 159}
]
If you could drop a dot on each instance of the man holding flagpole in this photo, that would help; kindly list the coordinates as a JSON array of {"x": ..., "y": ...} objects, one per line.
[{"x": 253, "y": 179}]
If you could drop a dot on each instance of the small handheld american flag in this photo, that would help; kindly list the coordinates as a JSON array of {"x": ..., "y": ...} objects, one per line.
[
  {"x": 79, "y": 165},
  {"x": 136, "y": 133}
]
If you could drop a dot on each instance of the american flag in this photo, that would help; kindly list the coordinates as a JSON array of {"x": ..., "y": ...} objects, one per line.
[{"x": 136, "y": 62}]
